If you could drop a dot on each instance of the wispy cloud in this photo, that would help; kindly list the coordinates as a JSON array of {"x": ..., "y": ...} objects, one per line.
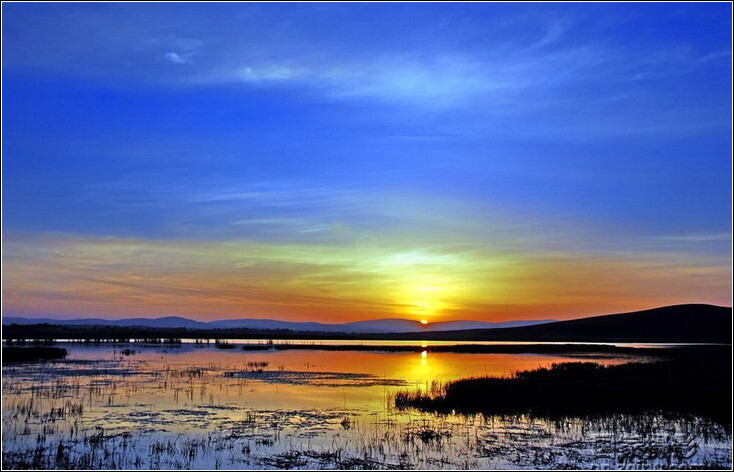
[
  {"x": 554, "y": 32},
  {"x": 698, "y": 238},
  {"x": 394, "y": 62},
  {"x": 720, "y": 56},
  {"x": 323, "y": 212},
  {"x": 440, "y": 80},
  {"x": 177, "y": 58}
]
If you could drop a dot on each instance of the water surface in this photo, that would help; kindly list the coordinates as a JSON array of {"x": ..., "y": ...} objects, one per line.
[{"x": 197, "y": 406}]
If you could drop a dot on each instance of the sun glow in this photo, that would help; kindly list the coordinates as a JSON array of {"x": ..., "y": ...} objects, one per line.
[{"x": 425, "y": 296}]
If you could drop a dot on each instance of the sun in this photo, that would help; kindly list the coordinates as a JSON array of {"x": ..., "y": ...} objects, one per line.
[{"x": 424, "y": 322}]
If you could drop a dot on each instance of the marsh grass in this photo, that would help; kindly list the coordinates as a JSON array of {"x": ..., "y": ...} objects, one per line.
[{"x": 695, "y": 385}]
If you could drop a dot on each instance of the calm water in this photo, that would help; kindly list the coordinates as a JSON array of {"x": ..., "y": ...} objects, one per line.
[{"x": 195, "y": 406}]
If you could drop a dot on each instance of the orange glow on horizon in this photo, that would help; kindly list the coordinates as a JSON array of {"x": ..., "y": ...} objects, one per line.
[{"x": 65, "y": 276}]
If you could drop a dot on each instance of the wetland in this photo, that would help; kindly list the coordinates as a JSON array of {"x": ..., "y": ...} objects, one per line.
[{"x": 242, "y": 405}]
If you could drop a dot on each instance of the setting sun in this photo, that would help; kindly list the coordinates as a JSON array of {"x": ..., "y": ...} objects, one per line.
[{"x": 424, "y": 322}]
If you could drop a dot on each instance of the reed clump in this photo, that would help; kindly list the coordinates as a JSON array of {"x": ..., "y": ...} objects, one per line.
[{"x": 690, "y": 384}]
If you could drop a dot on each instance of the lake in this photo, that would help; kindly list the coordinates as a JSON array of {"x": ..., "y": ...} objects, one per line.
[{"x": 202, "y": 405}]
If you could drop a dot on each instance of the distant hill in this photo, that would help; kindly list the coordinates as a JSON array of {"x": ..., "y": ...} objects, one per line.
[
  {"x": 694, "y": 323},
  {"x": 362, "y": 327},
  {"x": 165, "y": 322},
  {"x": 671, "y": 324}
]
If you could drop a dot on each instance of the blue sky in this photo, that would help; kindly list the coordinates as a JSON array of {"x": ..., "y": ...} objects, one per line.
[{"x": 530, "y": 131}]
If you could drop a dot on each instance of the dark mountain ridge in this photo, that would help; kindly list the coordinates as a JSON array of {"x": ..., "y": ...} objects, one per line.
[
  {"x": 389, "y": 325},
  {"x": 691, "y": 323}
]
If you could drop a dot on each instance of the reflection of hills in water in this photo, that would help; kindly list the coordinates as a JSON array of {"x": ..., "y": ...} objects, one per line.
[{"x": 324, "y": 379}]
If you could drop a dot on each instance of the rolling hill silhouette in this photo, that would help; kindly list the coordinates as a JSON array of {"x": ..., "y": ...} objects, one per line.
[{"x": 692, "y": 323}]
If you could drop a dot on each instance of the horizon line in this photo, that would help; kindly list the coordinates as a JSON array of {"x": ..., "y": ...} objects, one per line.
[{"x": 419, "y": 322}]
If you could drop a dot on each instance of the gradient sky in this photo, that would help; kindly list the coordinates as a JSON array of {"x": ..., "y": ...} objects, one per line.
[{"x": 338, "y": 162}]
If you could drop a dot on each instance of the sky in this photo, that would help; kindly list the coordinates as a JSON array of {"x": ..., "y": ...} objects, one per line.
[{"x": 337, "y": 162}]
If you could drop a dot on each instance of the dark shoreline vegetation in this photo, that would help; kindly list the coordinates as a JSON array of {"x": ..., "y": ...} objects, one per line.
[
  {"x": 688, "y": 381},
  {"x": 32, "y": 354}
]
